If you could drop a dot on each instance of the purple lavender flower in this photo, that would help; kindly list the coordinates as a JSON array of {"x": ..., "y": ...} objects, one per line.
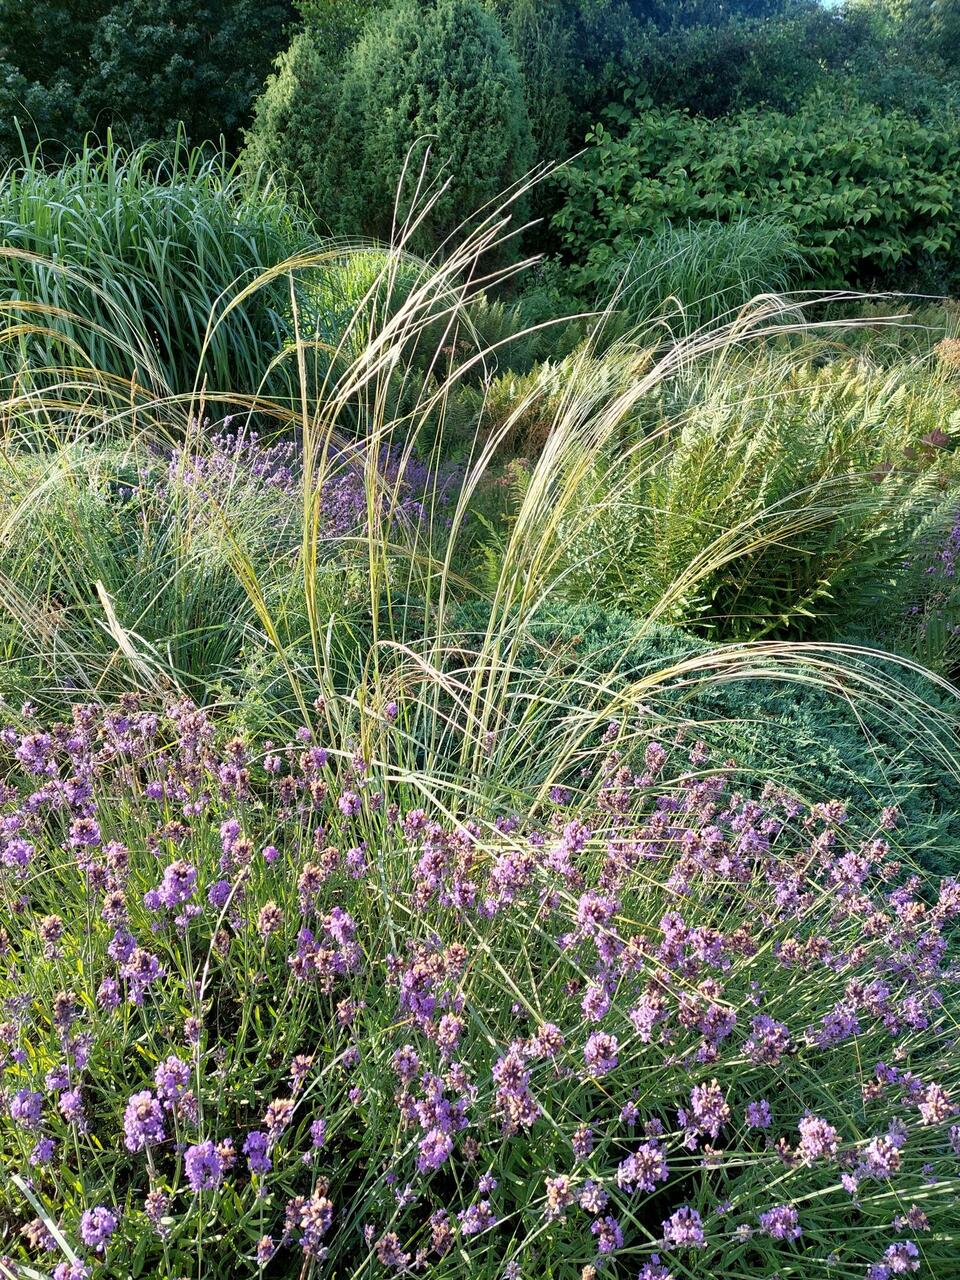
[
  {"x": 643, "y": 1170},
  {"x": 608, "y": 1233},
  {"x": 71, "y": 1271},
  {"x": 84, "y": 832},
  {"x": 655, "y": 1270},
  {"x": 178, "y": 884},
  {"x": 43, "y": 1152},
  {"x": 935, "y": 1105},
  {"x": 17, "y": 853},
  {"x": 36, "y": 753},
  {"x": 108, "y": 994},
  {"x": 758, "y": 1114},
  {"x": 478, "y": 1217},
  {"x": 600, "y": 1053},
  {"x": 203, "y": 1165},
  {"x": 318, "y": 1133},
  {"x": 97, "y": 1225},
  {"x": 780, "y": 1223},
  {"x": 709, "y": 1107},
  {"x": 71, "y": 1108},
  {"x": 314, "y": 1218},
  {"x": 218, "y": 895},
  {"x": 818, "y": 1140},
  {"x": 349, "y": 804},
  {"x": 768, "y": 1041},
  {"x": 434, "y": 1150},
  {"x": 26, "y": 1109},
  {"x": 172, "y": 1078},
  {"x": 596, "y": 1004},
  {"x": 684, "y": 1229},
  {"x": 141, "y": 971},
  {"x": 582, "y": 1141},
  {"x": 901, "y": 1258},
  {"x": 257, "y": 1148},
  {"x": 143, "y": 1121}
]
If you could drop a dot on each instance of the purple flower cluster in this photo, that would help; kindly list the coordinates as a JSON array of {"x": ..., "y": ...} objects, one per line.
[
  {"x": 646, "y": 1021},
  {"x": 230, "y": 465}
]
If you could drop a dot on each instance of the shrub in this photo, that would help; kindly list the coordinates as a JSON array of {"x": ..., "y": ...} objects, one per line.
[
  {"x": 158, "y": 63},
  {"x": 775, "y": 60},
  {"x": 44, "y": 62},
  {"x": 250, "y": 1041},
  {"x": 125, "y": 256},
  {"x": 440, "y": 75},
  {"x": 933, "y": 26},
  {"x": 291, "y": 118},
  {"x": 573, "y": 56},
  {"x": 552, "y": 61},
  {"x": 867, "y": 194}
]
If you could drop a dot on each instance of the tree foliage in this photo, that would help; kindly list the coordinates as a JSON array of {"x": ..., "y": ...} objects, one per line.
[
  {"x": 139, "y": 66},
  {"x": 866, "y": 193},
  {"x": 158, "y": 62},
  {"x": 440, "y": 77}
]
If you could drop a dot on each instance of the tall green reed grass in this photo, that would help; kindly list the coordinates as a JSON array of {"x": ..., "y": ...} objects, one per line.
[
  {"x": 119, "y": 258},
  {"x": 689, "y": 276}
]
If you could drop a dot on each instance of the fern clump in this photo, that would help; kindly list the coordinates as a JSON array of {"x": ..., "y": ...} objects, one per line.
[{"x": 767, "y": 497}]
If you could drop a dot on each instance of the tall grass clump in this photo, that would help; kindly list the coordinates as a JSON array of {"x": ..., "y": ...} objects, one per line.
[
  {"x": 115, "y": 262},
  {"x": 99, "y": 542},
  {"x": 693, "y": 275},
  {"x": 462, "y": 965}
]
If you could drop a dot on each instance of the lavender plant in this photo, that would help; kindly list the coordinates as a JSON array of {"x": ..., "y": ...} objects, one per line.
[{"x": 274, "y": 1009}]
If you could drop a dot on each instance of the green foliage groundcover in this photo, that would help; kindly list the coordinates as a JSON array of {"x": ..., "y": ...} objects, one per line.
[
  {"x": 868, "y": 194},
  {"x": 811, "y": 740}
]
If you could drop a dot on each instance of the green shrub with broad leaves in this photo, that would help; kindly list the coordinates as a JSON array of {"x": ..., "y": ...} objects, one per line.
[
  {"x": 869, "y": 195},
  {"x": 145, "y": 67}
]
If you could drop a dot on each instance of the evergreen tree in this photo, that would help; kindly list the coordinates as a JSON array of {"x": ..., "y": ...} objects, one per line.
[
  {"x": 435, "y": 75},
  {"x": 141, "y": 66}
]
